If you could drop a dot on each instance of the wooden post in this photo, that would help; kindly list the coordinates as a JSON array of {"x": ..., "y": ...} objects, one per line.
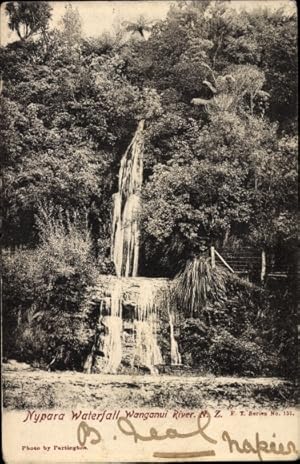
[
  {"x": 263, "y": 266},
  {"x": 213, "y": 258}
]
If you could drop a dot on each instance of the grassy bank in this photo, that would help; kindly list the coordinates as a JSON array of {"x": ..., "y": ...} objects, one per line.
[{"x": 36, "y": 389}]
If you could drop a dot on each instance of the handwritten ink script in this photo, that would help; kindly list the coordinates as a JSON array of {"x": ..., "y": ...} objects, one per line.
[
  {"x": 259, "y": 446},
  {"x": 83, "y": 433},
  {"x": 256, "y": 446}
]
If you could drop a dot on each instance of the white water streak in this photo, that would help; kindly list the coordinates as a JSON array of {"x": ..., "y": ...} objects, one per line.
[
  {"x": 125, "y": 255},
  {"x": 113, "y": 340},
  {"x": 175, "y": 355},
  {"x": 147, "y": 352},
  {"x": 126, "y": 207}
]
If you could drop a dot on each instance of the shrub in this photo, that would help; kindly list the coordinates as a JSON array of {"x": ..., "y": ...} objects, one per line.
[
  {"x": 56, "y": 339},
  {"x": 66, "y": 257},
  {"x": 230, "y": 334},
  {"x": 240, "y": 356},
  {"x": 218, "y": 352},
  {"x": 44, "y": 291},
  {"x": 194, "y": 342}
]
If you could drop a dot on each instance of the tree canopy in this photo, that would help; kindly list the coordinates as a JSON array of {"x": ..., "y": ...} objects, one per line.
[
  {"x": 217, "y": 89},
  {"x": 28, "y": 18}
]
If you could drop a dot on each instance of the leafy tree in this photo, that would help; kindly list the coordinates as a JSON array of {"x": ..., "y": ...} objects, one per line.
[
  {"x": 90, "y": 93},
  {"x": 59, "y": 100},
  {"x": 267, "y": 38},
  {"x": 71, "y": 25},
  {"x": 28, "y": 18},
  {"x": 274, "y": 222}
]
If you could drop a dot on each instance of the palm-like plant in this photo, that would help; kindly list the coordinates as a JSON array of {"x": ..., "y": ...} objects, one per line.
[
  {"x": 141, "y": 25},
  {"x": 198, "y": 284}
]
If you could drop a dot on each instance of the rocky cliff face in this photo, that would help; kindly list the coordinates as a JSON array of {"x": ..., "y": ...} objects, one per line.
[{"x": 135, "y": 325}]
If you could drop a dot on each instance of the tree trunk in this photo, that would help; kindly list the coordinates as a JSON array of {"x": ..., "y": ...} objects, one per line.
[
  {"x": 213, "y": 258},
  {"x": 226, "y": 237},
  {"x": 263, "y": 266}
]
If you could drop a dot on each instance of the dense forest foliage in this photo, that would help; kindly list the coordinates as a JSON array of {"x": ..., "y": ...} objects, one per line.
[{"x": 217, "y": 89}]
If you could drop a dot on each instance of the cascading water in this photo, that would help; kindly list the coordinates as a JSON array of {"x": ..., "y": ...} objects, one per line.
[
  {"x": 112, "y": 348},
  {"x": 125, "y": 255},
  {"x": 175, "y": 355},
  {"x": 147, "y": 352},
  {"x": 126, "y": 207}
]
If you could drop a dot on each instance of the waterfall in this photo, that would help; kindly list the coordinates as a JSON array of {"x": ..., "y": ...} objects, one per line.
[
  {"x": 147, "y": 352},
  {"x": 125, "y": 255},
  {"x": 175, "y": 355},
  {"x": 126, "y": 207},
  {"x": 113, "y": 323}
]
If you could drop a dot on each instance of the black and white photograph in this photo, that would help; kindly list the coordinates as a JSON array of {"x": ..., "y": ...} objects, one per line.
[{"x": 149, "y": 213}]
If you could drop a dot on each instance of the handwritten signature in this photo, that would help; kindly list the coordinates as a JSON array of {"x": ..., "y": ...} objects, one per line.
[{"x": 258, "y": 447}]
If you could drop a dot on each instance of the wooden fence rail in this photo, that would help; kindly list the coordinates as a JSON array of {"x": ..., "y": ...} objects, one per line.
[{"x": 248, "y": 261}]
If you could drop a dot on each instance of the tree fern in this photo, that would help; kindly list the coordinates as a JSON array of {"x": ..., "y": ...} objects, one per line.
[{"x": 197, "y": 284}]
